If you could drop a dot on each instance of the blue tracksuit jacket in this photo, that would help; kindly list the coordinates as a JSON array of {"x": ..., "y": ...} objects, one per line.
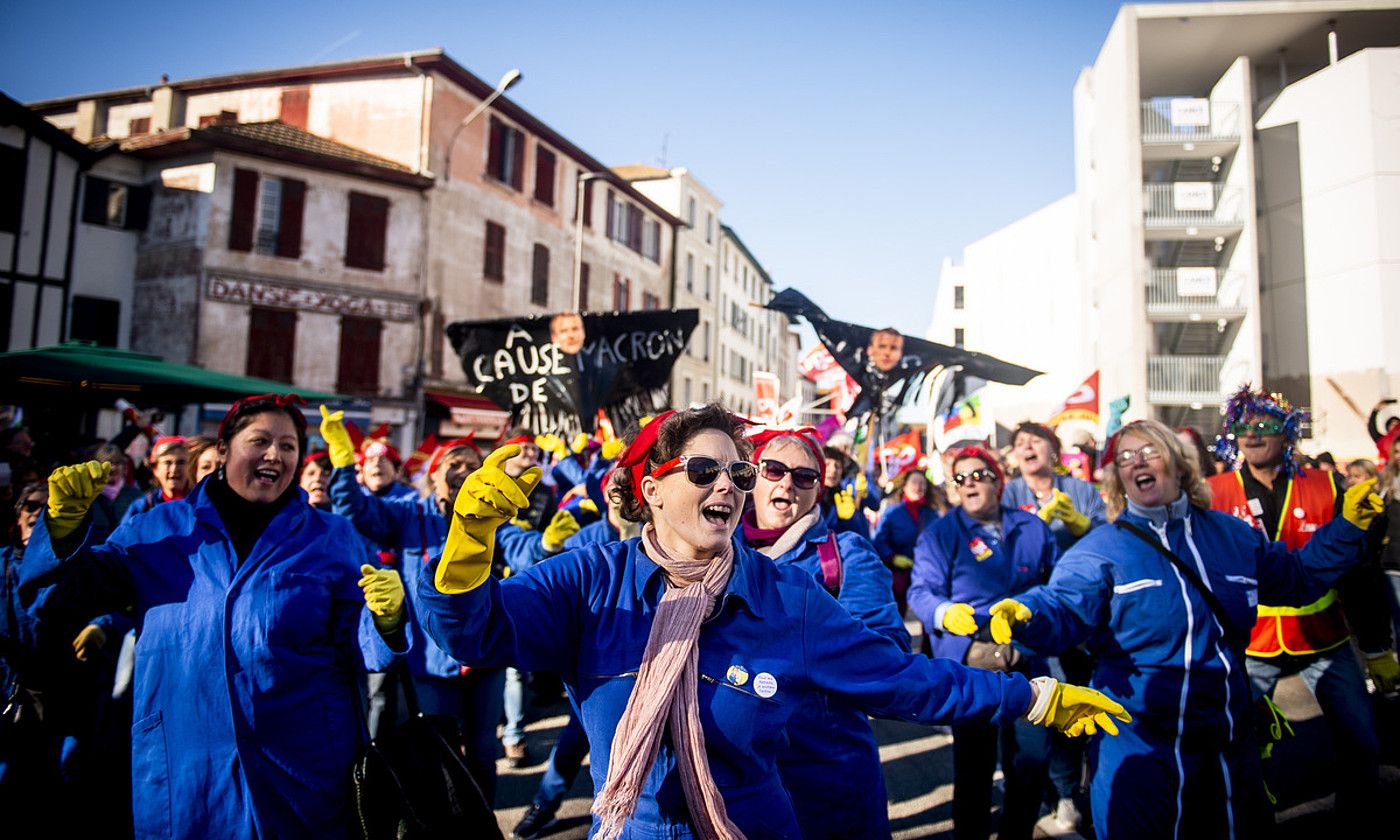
[
  {"x": 771, "y": 623},
  {"x": 959, "y": 561},
  {"x": 1186, "y": 766},
  {"x": 830, "y": 744},
  {"x": 245, "y": 688},
  {"x": 1084, "y": 495}
]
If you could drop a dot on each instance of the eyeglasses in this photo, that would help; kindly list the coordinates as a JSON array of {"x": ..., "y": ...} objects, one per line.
[
  {"x": 702, "y": 471},
  {"x": 1147, "y": 451},
  {"x": 964, "y": 479},
  {"x": 33, "y": 505},
  {"x": 1261, "y": 427},
  {"x": 803, "y": 478}
]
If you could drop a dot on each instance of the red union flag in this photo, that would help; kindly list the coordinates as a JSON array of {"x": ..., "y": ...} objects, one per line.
[
  {"x": 820, "y": 368},
  {"x": 1083, "y": 404},
  {"x": 765, "y": 404},
  {"x": 900, "y": 453}
]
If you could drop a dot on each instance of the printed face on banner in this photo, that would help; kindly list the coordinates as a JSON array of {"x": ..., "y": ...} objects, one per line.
[
  {"x": 567, "y": 332},
  {"x": 885, "y": 349}
]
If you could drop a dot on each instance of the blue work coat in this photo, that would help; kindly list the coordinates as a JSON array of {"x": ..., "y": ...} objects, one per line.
[
  {"x": 412, "y": 525},
  {"x": 246, "y": 673},
  {"x": 830, "y": 744},
  {"x": 1084, "y": 495},
  {"x": 586, "y": 615},
  {"x": 958, "y": 560},
  {"x": 857, "y": 524},
  {"x": 897, "y": 532},
  {"x": 1162, "y": 654},
  {"x": 146, "y": 501},
  {"x": 601, "y": 532}
]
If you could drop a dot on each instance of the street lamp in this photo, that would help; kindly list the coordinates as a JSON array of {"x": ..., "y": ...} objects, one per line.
[
  {"x": 583, "y": 178},
  {"x": 510, "y": 78}
]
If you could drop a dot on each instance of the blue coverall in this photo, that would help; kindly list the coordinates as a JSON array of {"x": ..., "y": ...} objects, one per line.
[
  {"x": 896, "y": 533},
  {"x": 1085, "y": 497}
]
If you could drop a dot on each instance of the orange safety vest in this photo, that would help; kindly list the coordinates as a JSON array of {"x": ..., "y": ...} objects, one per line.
[{"x": 1307, "y": 506}]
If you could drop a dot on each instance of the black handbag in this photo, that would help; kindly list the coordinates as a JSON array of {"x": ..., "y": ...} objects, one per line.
[{"x": 411, "y": 783}]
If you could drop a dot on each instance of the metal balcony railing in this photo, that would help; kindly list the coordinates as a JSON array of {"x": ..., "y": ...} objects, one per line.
[
  {"x": 1188, "y": 120},
  {"x": 1192, "y": 204},
  {"x": 1194, "y": 293},
  {"x": 1183, "y": 380}
]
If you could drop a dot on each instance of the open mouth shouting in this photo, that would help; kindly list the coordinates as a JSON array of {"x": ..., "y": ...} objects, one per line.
[
  {"x": 266, "y": 476},
  {"x": 719, "y": 515}
]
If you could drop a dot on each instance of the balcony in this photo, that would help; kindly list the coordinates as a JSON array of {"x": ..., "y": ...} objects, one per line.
[
  {"x": 1183, "y": 127},
  {"x": 1190, "y": 293},
  {"x": 1184, "y": 380},
  {"x": 1192, "y": 210}
]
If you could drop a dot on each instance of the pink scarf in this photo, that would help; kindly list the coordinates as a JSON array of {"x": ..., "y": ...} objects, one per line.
[{"x": 665, "y": 696}]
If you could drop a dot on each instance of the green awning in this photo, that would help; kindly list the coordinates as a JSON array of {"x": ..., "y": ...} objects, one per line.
[{"x": 83, "y": 374}]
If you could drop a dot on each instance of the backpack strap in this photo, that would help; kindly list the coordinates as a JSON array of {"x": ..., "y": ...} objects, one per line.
[{"x": 829, "y": 553}]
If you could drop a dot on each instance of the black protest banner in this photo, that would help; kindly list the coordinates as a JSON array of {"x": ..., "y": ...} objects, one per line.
[
  {"x": 889, "y": 367},
  {"x": 554, "y": 373}
]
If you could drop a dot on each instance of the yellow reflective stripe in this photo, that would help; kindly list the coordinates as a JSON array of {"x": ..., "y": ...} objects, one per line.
[
  {"x": 1315, "y": 607},
  {"x": 1283, "y": 511}
]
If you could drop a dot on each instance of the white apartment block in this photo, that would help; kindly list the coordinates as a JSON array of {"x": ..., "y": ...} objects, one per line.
[
  {"x": 750, "y": 339},
  {"x": 1237, "y": 171}
]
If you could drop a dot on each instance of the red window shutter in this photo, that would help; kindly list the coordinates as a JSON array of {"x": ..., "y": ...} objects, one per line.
[
  {"x": 358, "y": 371},
  {"x": 495, "y": 153},
  {"x": 634, "y": 228},
  {"x": 517, "y": 159},
  {"x": 365, "y": 230},
  {"x": 245, "y": 208},
  {"x": 295, "y": 103},
  {"x": 544, "y": 175},
  {"x": 139, "y": 126},
  {"x": 494, "y": 260},
  {"x": 588, "y": 204},
  {"x": 539, "y": 276},
  {"x": 271, "y": 343},
  {"x": 290, "y": 216}
]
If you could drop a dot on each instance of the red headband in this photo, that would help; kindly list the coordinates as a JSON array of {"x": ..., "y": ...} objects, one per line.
[
  {"x": 985, "y": 457},
  {"x": 162, "y": 443},
  {"x": 518, "y": 440},
  {"x": 315, "y": 456},
  {"x": 447, "y": 446},
  {"x": 377, "y": 448},
  {"x": 279, "y": 400},
  {"x": 634, "y": 457},
  {"x": 806, "y": 434}
]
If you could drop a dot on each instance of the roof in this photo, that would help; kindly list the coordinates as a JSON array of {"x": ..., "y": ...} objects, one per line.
[
  {"x": 729, "y": 231},
  {"x": 278, "y": 140},
  {"x": 16, "y": 114}
]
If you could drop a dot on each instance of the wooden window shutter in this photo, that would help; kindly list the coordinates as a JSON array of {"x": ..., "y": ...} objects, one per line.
[
  {"x": 289, "y": 221},
  {"x": 539, "y": 276},
  {"x": 358, "y": 370},
  {"x": 295, "y": 104},
  {"x": 544, "y": 175},
  {"x": 271, "y": 343},
  {"x": 243, "y": 220},
  {"x": 583, "y": 272},
  {"x": 517, "y": 159},
  {"x": 365, "y": 231},
  {"x": 588, "y": 204},
  {"x": 496, "y": 150},
  {"x": 494, "y": 259}
]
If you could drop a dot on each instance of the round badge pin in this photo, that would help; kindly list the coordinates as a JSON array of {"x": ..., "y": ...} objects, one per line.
[
  {"x": 1298, "y": 513},
  {"x": 765, "y": 685},
  {"x": 736, "y": 675}
]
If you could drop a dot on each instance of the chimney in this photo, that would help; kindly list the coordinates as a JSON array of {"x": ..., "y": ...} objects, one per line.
[
  {"x": 167, "y": 109},
  {"x": 92, "y": 120}
]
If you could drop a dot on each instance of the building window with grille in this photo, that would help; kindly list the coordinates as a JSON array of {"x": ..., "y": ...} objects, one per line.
[
  {"x": 539, "y": 276},
  {"x": 494, "y": 261},
  {"x": 365, "y": 232},
  {"x": 544, "y": 175},
  {"x": 505, "y": 158},
  {"x": 358, "y": 371},
  {"x": 957, "y": 297},
  {"x": 267, "y": 214},
  {"x": 272, "y": 336}
]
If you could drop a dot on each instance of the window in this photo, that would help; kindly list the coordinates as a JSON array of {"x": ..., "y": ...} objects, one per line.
[
  {"x": 685, "y": 392},
  {"x": 219, "y": 118},
  {"x": 358, "y": 371},
  {"x": 957, "y": 297},
  {"x": 242, "y": 220},
  {"x": 622, "y": 293},
  {"x": 280, "y": 209},
  {"x": 705, "y": 391},
  {"x": 365, "y": 230},
  {"x": 494, "y": 263},
  {"x": 690, "y": 213},
  {"x": 505, "y": 159},
  {"x": 706, "y": 345},
  {"x": 707, "y": 282},
  {"x": 95, "y": 319},
  {"x": 958, "y": 335},
  {"x": 690, "y": 272},
  {"x": 272, "y": 335},
  {"x": 583, "y": 272},
  {"x": 115, "y": 205},
  {"x": 709, "y": 227},
  {"x": 651, "y": 240},
  {"x": 650, "y": 301},
  {"x": 12, "y": 166},
  {"x": 539, "y": 276},
  {"x": 588, "y": 204},
  {"x": 544, "y": 175},
  {"x": 138, "y": 127}
]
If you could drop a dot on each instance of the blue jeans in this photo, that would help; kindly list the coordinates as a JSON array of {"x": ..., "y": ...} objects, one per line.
[
  {"x": 514, "y": 731},
  {"x": 564, "y": 762},
  {"x": 1335, "y": 679}
]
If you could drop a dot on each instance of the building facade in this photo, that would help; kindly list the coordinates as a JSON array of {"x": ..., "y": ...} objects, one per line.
[{"x": 749, "y": 339}]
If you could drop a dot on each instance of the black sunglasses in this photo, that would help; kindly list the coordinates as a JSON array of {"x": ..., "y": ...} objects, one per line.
[
  {"x": 702, "y": 471},
  {"x": 33, "y": 505},
  {"x": 962, "y": 479},
  {"x": 803, "y": 478}
]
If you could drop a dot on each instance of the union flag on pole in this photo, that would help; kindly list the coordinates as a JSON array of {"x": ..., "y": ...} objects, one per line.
[
  {"x": 901, "y": 453},
  {"x": 1083, "y": 404}
]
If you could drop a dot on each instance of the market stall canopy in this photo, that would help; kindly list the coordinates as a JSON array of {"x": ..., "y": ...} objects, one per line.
[{"x": 84, "y": 374}]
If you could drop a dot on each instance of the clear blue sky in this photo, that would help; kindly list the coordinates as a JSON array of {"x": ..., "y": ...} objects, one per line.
[{"x": 853, "y": 144}]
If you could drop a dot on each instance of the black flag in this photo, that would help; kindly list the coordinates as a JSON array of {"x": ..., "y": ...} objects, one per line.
[
  {"x": 553, "y": 373},
  {"x": 887, "y": 365}
]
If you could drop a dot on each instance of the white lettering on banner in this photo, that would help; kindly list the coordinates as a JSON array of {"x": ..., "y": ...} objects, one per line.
[
  {"x": 1195, "y": 281},
  {"x": 1193, "y": 195},
  {"x": 1190, "y": 113},
  {"x": 280, "y": 296}
]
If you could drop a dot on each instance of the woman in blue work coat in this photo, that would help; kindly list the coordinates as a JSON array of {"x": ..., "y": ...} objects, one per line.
[
  {"x": 1190, "y": 766},
  {"x": 829, "y": 742},
  {"x": 253, "y": 629},
  {"x": 978, "y": 554},
  {"x": 686, "y": 653},
  {"x": 915, "y": 507}
]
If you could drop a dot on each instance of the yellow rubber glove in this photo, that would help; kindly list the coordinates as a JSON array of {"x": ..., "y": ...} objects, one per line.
[
  {"x": 1063, "y": 509},
  {"x": 902, "y": 562},
  {"x": 342, "y": 450},
  {"x": 1006, "y": 614},
  {"x": 1383, "y": 670},
  {"x": 488, "y": 497},
  {"x": 1361, "y": 505},
  {"x": 958, "y": 620},
  {"x": 612, "y": 449},
  {"x": 845, "y": 505},
  {"x": 862, "y": 486},
  {"x": 1074, "y": 710},
  {"x": 579, "y": 443},
  {"x": 553, "y": 444},
  {"x": 560, "y": 528},
  {"x": 588, "y": 506},
  {"x": 88, "y": 643},
  {"x": 383, "y": 595},
  {"x": 71, "y": 492}
]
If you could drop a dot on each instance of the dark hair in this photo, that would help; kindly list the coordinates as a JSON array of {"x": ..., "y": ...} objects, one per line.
[
  {"x": 243, "y": 412},
  {"x": 321, "y": 458},
  {"x": 676, "y": 431},
  {"x": 31, "y": 487},
  {"x": 1040, "y": 430}
]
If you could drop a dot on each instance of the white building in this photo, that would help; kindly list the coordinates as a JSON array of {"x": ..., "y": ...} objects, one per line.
[
  {"x": 750, "y": 339},
  {"x": 1234, "y": 177}
]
